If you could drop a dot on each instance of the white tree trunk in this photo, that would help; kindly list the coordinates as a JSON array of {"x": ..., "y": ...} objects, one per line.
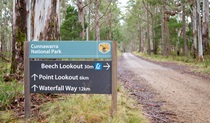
[
  {"x": 148, "y": 31},
  {"x": 0, "y": 32},
  {"x": 81, "y": 17},
  {"x": 162, "y": 31},
  {"x": 19, "y": 35},
  {"x": 205, "y": 29},
  {"x": 184, "y": 30},
  {"x": 194, "y": 28},
  {"x": 28, "y": 8},
  {"x": 45, "y": 20},
  {"x": 200, "y": 45},
  {"x": 97, "y": 26}
]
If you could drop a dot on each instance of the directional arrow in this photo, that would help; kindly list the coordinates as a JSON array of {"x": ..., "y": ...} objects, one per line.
[
  {"x": 35, "y": 87},
  {"x": 107, "y": 66},
  {"x": 34, "y": 76}
]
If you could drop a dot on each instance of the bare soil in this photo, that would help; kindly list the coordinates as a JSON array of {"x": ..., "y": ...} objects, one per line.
[{"x": 170, "y": 93}]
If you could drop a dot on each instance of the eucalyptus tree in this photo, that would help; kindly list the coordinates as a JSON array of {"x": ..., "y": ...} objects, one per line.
[
  {"x": 33, "y": 20},
  {"x": 184, "y": 27},
  {"x": 110, "y": 14},
  {"x": 205, "y": 27},
  {"x": 200, "y": 43},
  {"x": 194, "y": 19}
]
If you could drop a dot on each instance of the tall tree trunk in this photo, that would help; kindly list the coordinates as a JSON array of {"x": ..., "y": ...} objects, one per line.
[
  {"x": 110, "y": 26},
  {"x": 81, "y": 18},
  {"x": 167, "y": 37},
  {"x": 154, "y": 35},
  {"x": 28, "y": 8},
  {"x": 97, "y": 26},
  {"x": 205, "y": 27},
  {"x": 4, "y": 43},
  {"x": 19, "y": 35},
  {"x": 200, "y": 45},
  {"x": 163, "y": 30},
  {"x": 88, "y": 18},
  {"x": 140, "y": 37},
  {"x": 0, "y": 32},
  {"x": 194, "y": 18},
  {"x": 148, "y": 31},
  {"x": 184, "y": 30},
  {"x": 45, "y": 25},
  {"x": 45, "y": 20}
]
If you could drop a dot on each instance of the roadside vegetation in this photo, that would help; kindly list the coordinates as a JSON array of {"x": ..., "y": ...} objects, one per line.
[
  {"x": 68, "y": 108},
  {"x": 203, "y": 67},
  {"x": 92, "y": 109}
]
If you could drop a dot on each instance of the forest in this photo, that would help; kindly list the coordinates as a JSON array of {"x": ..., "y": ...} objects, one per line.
[{"x": 177, "y": 29}]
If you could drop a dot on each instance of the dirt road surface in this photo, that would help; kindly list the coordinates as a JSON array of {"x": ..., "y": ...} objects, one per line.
[{"x": 188, "y": 96}]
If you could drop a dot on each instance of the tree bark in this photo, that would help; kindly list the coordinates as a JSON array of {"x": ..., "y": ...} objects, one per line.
[
  {"x": 140, "y": 37},
  {"x": 45, "y": 20},
  {"x": 154, "y": 35},
  {"x": 167, "y": 37},
  {"x": 163, "y": 30},
  {"x": 200, "y": 45},
  {"x": 5, "y": 41},
  {"x": 0, "y": 32},
  {"x": 97, "y": 26},
  {"x": 148, "y": 31},
  {"x": 43, "y": 24},
  {"x": 81, "y": 18},
  {"x": 205, "y": 27},
  {"x": 184, "y": 30},
  {"x": 19, "y": 35},
  {"x": 194, "y": 19}
]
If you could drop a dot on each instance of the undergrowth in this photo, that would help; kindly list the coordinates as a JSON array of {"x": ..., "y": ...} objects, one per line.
[
  {"x": 8, "y": 90},
  {"x": 92, "y": 109}
]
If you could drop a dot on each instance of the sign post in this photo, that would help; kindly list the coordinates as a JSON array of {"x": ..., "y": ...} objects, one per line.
[
  {"x": 114, "y": 78},
  {"x": 73, "y": 77},
  {"x": 27, "y": 81}
]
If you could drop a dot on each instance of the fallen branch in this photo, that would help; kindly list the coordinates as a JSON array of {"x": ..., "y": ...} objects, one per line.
[{"x": 3, "y": 58}]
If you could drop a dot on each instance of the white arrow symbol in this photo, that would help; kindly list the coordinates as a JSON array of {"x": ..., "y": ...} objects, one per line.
[
  {"x": 34, "y": 86},
  {"x": 107, "y": 66},
  {"x": 34, "y": 76}
]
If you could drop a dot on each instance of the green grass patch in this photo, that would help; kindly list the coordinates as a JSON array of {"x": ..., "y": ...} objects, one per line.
[
  {"x": 80, "y": 108},
  {"x": 92, "y": 109},
  {"x": 8, "y": 92},
  {"x": 203, "y": 67}
]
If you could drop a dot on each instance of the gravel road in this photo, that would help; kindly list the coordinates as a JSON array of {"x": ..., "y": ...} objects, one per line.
[{"x": 188, "y": 96}]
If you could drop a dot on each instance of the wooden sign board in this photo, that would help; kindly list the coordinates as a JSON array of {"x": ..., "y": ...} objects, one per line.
[{"x": 49, "y": 77}]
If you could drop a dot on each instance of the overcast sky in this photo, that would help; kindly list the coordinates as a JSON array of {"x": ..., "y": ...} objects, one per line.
[
  {"x": 122, "y": 7},
  {"x": 123, "y": 4}
]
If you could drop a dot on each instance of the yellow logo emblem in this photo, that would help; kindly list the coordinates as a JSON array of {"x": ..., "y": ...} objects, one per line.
[{"x": 104, "y": 48}]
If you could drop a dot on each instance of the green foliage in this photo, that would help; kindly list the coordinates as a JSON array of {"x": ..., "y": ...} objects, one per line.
[
  {"x": 71, "y": 28},
  {"x": 8, "y": 92}
]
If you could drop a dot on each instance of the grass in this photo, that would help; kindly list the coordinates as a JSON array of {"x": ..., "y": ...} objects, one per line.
[
  {"x": 203, "y": 67},
  {"x": 8, "y": 90},
  {"x": 92, "y": 109}
]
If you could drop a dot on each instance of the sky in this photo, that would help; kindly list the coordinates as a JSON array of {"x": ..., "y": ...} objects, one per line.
[{"x": 122, "y": 5}]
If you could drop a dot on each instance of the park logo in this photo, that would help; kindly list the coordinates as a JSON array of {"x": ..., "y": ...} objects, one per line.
[{"x": 104, "y": 47}]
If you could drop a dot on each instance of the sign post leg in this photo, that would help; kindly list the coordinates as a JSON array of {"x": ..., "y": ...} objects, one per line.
[
  {"x": 114, "y": 78},
  {"x": 26, "y": 81}
]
